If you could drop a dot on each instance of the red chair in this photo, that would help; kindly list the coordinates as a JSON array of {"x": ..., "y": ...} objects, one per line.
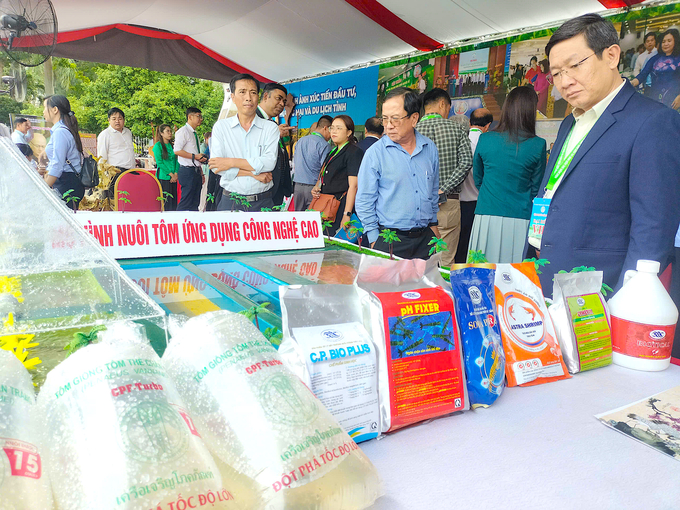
[{"x": 138, "y": 190}]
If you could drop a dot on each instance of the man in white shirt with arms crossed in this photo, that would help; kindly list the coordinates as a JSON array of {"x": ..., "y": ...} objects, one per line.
[{"x": 244, "y": 150}]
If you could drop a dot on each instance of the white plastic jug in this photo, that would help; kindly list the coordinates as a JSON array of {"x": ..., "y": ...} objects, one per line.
[{"x": 643, "y": 320}]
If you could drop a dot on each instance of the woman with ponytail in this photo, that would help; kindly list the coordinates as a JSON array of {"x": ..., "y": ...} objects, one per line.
[
  {"x": 167, "y": 166},
  {"x": 64, "y": 149}
]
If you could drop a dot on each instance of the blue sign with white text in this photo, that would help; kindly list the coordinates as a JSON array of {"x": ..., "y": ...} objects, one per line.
[{"x": 350, "y": 93}]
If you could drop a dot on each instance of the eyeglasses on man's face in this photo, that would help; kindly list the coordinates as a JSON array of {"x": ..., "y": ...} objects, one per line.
[
  {"x": 570, "y": 71},
  {"x": 396, "y": 121}
]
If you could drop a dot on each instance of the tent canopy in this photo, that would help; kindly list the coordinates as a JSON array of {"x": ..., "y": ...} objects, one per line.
[{"x": 282, "y": 40}]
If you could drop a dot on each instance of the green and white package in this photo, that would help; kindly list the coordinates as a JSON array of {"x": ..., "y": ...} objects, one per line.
[
  {"x": 260, "y": 421},
  {"x": 120, "y": 436},
  {"x": 24, "y": 484},
  {"x": 581, "y": 320}
]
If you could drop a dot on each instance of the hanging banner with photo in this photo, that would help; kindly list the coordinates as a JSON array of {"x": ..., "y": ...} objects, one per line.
[{"x": 350, "y": 93}]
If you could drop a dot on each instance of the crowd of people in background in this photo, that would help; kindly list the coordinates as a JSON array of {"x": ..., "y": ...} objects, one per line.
[{"x": 416, "y": 171}]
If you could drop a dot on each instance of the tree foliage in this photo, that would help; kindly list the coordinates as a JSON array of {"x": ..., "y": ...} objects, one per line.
[{"x": 148, "y": 98}]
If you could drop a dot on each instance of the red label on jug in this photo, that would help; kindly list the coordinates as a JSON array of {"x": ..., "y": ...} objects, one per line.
[{"x": 642, "y": 341}]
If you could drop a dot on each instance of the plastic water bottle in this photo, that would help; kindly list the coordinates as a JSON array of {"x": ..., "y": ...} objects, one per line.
[{"x": 643, "y": 320}]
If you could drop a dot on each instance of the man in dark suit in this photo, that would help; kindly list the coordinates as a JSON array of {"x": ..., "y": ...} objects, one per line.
[
  {"x": 374, "y": 131},
  {"x": 613, "y": 178},
  {"x": 271, "y": 105}
]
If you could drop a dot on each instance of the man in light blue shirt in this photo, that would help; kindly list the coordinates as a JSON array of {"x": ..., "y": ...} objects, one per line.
[
  {"x": 399, "y": 181},
  {"x": 244, "y": 149},
  {"x": 22, "y": 134},
  {"x": 310, "y": 153}
]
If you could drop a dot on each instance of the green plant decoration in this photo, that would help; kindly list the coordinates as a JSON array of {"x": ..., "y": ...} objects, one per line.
[
  {"x": 164, "y": 197},
  {"x": 325, "y": 225},
  {"x": 390, "y": 237},
  {"x": 274, "y": 336},
  {"x": 356, "y": 230},
  {"x": 437, "y": 245},
  {"x": 265, "y": 209},
  {"x": 70, "y": 199},
  {"x": 237, "y": 198},
  {"x": 252, "y": 312},
  {"x": 81, "y": 340},
  {"x": 538, "y": 263},
  {"x": 582, "y": 269},
  {"x": 279, "y": 207},
  {"x": 125, "y": 198},
  {"x": 476, "y": 257},
  {"x": 210, "y": 198}
]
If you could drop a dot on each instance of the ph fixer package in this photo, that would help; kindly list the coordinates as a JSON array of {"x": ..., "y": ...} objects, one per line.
[{"x": 643, "y": 320}]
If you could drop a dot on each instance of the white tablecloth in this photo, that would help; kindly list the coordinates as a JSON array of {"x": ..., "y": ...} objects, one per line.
[{"x": 537, "y": 447}]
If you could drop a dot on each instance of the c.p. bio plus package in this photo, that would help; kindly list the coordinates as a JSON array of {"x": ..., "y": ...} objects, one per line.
[
  {"x": 581, "y": 320},
  {"x": 473, "y": 290},
  {"x": 532, "y": 353},
  {"x": 420, "y": 365},
  {"x": 24, "y": 484},
  {"x": 326, "y": 344}
]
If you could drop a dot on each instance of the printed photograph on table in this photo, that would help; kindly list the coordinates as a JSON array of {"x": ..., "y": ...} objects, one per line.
[
  {"x": 420, "y": 334},
  {"x": 654, "y": 421}
]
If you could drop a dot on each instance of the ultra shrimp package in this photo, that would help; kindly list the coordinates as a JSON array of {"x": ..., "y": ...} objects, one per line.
[
  {"x": 532, "y": 352},
  {"x": 473, "y": 290},
  {"x": 420, "y": 363},
  {"x": 262, "y": 424},
  {"x": 24, "y": 484},
  {"x": 581, "y": 319},
  {"x": 120, "y": 436}
]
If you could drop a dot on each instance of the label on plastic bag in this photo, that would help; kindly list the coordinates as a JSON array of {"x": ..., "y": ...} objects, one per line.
[
  {"x": 532, "y": 353},
  {"x": 24, "y": 459},
  {"x": 591, "y": 328},
  {"x": 343, "y": 369},
  {"x": 473, "y": 289},
  {"x": 643, "y": 341},
  {"x": 423, "y": 351}
]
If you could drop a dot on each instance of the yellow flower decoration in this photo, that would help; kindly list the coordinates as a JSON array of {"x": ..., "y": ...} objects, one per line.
[
  {"x": 11, "y": 285},
  {"x": 19, "y": 345}
]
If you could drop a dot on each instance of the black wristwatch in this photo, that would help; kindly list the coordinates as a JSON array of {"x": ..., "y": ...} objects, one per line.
[{"x": 348, "y": 213}]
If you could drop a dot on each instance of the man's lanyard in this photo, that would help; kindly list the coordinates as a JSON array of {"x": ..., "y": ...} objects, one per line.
[
  {"x": 431, "y": 116},
  {"x": 317, "y": 134},
  {"x": 475, "y": 130},
  {"x": 563, "y": 161},
  {"x": 334, "y": 153}
]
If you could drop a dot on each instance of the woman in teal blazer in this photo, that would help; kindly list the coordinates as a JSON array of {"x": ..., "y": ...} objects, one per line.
[
  {"x": 508, "y": 167},
  {"x": 166, "y": 166}
]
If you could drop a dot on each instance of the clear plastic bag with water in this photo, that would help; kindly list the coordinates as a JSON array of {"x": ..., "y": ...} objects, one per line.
[
  {"x": 262, "y": 424},
  {"x": 24, "y": 484},
  {"x": 120, "y": 436}
]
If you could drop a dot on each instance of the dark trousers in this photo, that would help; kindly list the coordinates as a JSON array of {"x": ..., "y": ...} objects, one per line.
[
  {"x": 69, "y": 181},
  {"x": 227, "y": 204},
  {"x": 169, "y": 194},
  {"x": 467, "y": 216},
  {"x": 340, "y": 215},
  {"x": 214, "y": 188},
  {"x": 190, "y": 178},
  {"x": 408, "y": 247},
  {"x": 675, "y": 294}
]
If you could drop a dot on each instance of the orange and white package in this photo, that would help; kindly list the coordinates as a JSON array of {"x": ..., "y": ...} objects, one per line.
[{"x": 532, "y": 353}]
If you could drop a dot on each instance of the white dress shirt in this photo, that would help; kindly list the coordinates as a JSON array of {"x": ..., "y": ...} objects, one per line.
[
  {"x": 185, "y": 140},
  {"x": 116, "y": 147},
  {"x": 642, "y": 60},
  {"x": 258, "y": 146}
]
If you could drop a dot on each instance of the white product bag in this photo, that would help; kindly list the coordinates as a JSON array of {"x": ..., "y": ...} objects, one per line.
[{"x": 261, "y": 421}]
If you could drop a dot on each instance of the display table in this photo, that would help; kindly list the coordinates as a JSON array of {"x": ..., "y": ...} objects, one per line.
[{"x": 537, "y": 447}]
